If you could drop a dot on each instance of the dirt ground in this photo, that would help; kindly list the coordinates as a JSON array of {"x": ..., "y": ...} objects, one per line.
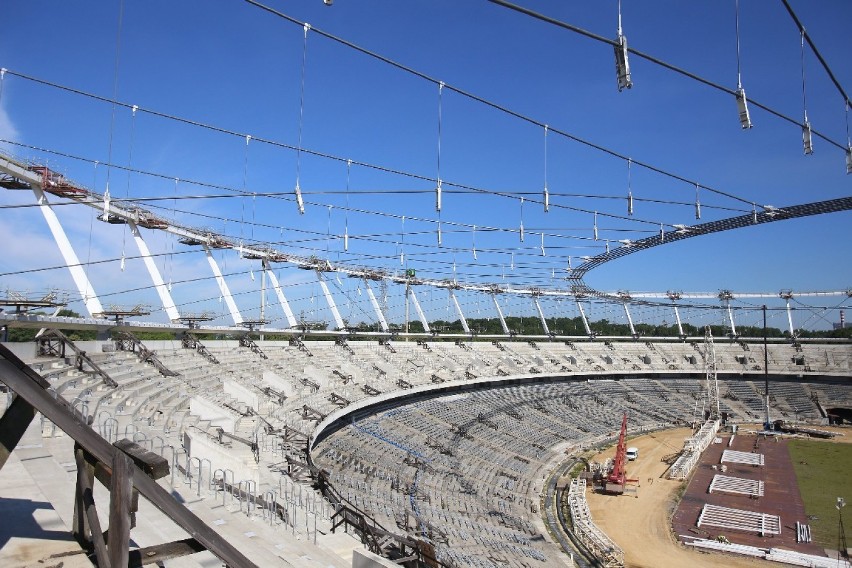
[{"x": 640, "y": 524}]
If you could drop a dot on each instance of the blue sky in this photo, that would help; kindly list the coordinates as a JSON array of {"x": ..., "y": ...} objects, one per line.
[{"x": 234, "y": 66}]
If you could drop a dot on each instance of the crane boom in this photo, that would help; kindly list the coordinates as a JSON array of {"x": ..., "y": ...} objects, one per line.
[{"x": 617, "y": 475}]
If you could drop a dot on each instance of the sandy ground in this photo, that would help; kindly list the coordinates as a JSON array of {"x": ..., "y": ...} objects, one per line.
[{"x": 640, "y": 524}]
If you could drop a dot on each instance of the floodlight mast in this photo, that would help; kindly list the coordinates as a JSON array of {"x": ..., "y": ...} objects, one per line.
[
  {"x": 711, "y": 384},
  {"x": 766, "y": 369}
]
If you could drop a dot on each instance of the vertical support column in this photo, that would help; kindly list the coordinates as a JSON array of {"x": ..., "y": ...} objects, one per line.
[
  {"x": 419, "y": 311},
  {"x": 156, "y": 278},
  {"x": 120, "y": 500},
  {"x": 541, "y": 315},
  {"x": 629, "y": 320},
  {"x": 330, "y": 301},
  {"x": 679, "y": 324},
  {"x": 285, "y": 305},
  {"x": 585, "y": 321},
  {"x": 381, "y": 317},
  {"x": 455, "y": 300},
  {"x": 223, "y": 287},
  {"x": 503, "y": 323},
  {"x": 84, "y": 286}
]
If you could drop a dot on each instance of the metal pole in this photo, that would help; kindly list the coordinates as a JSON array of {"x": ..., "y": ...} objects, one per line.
[{"x": 262, "y": 297}]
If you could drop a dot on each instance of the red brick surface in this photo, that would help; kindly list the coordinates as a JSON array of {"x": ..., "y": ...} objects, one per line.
[{"x": 781, "y": 495}]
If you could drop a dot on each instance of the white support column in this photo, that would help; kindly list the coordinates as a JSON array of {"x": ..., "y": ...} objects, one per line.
[
  {"x": 629, "y": 319},
  {"x": 731, "y": 318},
  {"x": 84, "y": 286},
  {"x": 285, "y": 305},
  {"x": 459, "y": 311},
  {"x": 790, "y": 318},
  {"x": 677, "y": 318},
  {"x": 419, "y": 310},
  {"x": 583, "y": 316},
  {"x": 159, "y": 285},
  {"x": 223, "y": 287},
  {"x": 503, "y": 323},
  {"x": 381, "y": 317},
  {"x": 541, "y": 315},
  {"x": 330, "y": 301}
]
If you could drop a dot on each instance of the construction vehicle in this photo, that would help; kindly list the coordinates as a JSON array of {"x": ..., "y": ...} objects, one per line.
[{"x": 616, "y": 480}]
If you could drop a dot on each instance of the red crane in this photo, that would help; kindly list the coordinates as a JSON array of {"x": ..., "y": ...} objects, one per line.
[{"x": 617, "y": 478}]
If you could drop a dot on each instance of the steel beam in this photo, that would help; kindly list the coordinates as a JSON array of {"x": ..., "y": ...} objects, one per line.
[
  {"x": 329, "y": 299},
  {"x": 282, "y": 300},
  {"x": 585, "y": 320},
  {"x": 159, "y": 285},
  {"x": 223, "y": 287},
  {"x": 459, "y": 311},
  {"x": 731, "y": 317},
  {"x": 677, "y": 318},
  {"x": 503, "y": 323},
  {"x": 541, "y": 315},
  {"x": 376, "y": 308},
  {"x": 629, "y": 319},
  {"x": 81, "y": 280},
  {"x": 790, "y": 318},
  {"x": 419, "y": 310}
]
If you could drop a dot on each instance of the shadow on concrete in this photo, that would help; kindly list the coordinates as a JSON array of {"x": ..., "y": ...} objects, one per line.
[{"x": 19, "y": 521}]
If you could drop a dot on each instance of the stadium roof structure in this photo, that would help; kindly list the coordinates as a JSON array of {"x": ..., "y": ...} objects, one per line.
[{"x": 515, "y": 229}]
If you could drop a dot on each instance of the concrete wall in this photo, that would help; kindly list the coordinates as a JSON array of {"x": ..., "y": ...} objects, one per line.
[
  {"x": 245, "y": 395},
  {"x": 23, "y": 350},
  {"x": 214, "y": 413},
  {"x": 278, "y": 383},
  {"x": 221, "y": 457}
]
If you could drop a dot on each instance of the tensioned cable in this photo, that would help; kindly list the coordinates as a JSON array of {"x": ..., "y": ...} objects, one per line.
[
  {"x": 816, "y": 52},
  {"x": 114, "y": 89},
  {"x": 656, "y": 61},
  {"x": 298, "y": 189},
  {"x": 150, "y": 199},
  {"x": 276, "y": 195},
  {"x": 324, "y": 155},
  {"x": 519, "y": 115},
  {"x": 737, "y": 33},
  {"x": 292, "y": 243}
]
